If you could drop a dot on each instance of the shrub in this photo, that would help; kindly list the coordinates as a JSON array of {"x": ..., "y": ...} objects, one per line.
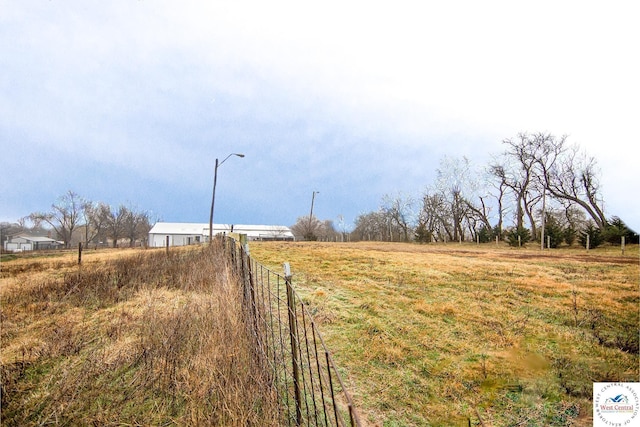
[
  {"x": 569, "y": 235},
  {"x": 422, "y": 234},
  {"x": 595, "y": 237},
  {"x": 552, "y": 231},
  {"x": 618, "y": 229},
  {"x": 497, "y": 231},
  {"x": 485, "y": 235},
  {"x": 310, "y": 236},
  {"x": 512, "y": 236}
]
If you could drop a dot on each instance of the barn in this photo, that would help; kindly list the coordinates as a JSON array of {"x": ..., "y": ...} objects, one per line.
[{"x": 184, "y": 233}]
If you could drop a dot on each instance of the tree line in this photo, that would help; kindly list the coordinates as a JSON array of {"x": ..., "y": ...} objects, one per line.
[
  {"x": 73, "y": 218},
  {"x": 540, "y": 188}
]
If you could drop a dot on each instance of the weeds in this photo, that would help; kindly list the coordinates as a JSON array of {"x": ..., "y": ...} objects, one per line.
[
  {"x": 148, "y": 338},
  {"x": 619, "y": 332}
]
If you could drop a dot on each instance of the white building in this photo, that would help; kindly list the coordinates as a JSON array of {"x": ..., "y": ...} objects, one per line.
[
  {"x": 24, "y": 242},
  {"x": 182, "y": 233}
]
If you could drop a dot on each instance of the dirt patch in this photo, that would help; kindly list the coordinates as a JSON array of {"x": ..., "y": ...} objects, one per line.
[{"x": 581, "y": 258}]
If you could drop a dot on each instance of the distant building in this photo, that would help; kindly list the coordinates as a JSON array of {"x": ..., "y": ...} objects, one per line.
[
  {"x": 181, "y": 233},
  {"x": 25, "y": 242}
]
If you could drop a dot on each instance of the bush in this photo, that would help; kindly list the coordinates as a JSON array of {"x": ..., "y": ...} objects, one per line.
[
  {"x": 569, "y": 235},
  {"x": 595, "y": 237},
  {"x": 512, "y": 236},
  {"x": 485, "y": 235},
  {"x": 422, "y": 234},
  {"x": 552, "y": 231},
  {"x": 616, "y": 230},
  {"x": 498, "y": 232}
]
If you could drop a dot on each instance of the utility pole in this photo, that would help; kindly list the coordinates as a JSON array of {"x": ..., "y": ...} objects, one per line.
[
  {"x": 313, "y": 196},
  {"x": 213, "y": 197}
]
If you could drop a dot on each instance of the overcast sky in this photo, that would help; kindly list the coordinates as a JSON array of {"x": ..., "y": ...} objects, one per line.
[{"x": 132, "y": 101}]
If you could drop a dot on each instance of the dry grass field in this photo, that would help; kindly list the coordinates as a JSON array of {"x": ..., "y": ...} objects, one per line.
[
  {"x": 424, "y": 334},
  {"x": 440, "y": 334},
  {"x": 132, "y": 337}
]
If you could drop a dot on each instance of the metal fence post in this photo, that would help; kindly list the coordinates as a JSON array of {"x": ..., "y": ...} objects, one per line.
[
  {"x": 250, "y": 290},
  {"x": 333, "y": 397},
  {"x": 293, "y": 336}
]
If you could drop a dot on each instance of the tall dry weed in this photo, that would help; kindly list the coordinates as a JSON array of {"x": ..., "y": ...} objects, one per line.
[{"x": 150, "y": 339}]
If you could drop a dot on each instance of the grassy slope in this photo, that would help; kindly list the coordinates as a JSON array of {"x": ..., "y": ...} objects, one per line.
[
  {"x": 434, "y": 335},
  {"x": 133, "y": 338}
]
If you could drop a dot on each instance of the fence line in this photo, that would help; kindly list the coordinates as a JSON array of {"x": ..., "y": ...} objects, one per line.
[{"x": 288, "y": 342}]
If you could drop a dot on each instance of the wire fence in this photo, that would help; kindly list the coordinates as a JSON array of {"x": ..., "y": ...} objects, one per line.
[{"x": 288, "y": 343}]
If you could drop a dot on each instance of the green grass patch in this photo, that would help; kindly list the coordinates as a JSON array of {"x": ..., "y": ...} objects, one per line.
[{"x": 7, "y": 257}]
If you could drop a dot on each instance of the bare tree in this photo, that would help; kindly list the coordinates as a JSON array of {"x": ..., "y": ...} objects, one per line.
[
  {"x": 343, "y": 227},
  {"x": 457, "y": 187},
  {"x": 574, "y": 178},
  {"x": 95, "y": 219},
  {"x": 500, "y": 187},
  {"x": 328, "y": 231},
  {"x": 574, "y": 216},
  {"x": 64, "y": 217},
  {"x": 115, "y": 223},
  {"x": 540, "y": 164},
  {"x": 435, "y": 216},
  {"x": 398, "y": 210},
  {"x": 478, "y": 213},
  {"x": 371, "y": 226},
  {"x": 8, "y": 229},
  {"x": 520, "y": 176},
  {"x": 135, "y": 225},
  {"x": 22, "y": 222},
  {"x": 278, "y": 233},
  {"x": 307, "y": 228}
]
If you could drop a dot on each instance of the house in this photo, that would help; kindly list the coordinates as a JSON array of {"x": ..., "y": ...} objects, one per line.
[
  {"x": 181, "y": 233},
  {"x": 25, "y": 242}
]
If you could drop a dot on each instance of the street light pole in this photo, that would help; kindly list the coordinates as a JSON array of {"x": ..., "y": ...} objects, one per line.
[
  {"x": 213, "y": 197},
  {"x": 313, "y": 196}
]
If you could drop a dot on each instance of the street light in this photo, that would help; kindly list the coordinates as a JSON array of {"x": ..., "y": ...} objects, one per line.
[{"x": 213, "y": 197}]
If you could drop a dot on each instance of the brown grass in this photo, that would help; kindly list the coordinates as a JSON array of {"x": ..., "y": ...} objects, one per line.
[
  {"x": 130, "y": 338},
  {"x": 440, "y": 334}
]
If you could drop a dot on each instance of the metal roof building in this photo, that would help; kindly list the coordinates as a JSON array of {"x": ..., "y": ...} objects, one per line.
[
  {"x": 25, "y": 242},
  {"x": 184, "y": 233}
]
